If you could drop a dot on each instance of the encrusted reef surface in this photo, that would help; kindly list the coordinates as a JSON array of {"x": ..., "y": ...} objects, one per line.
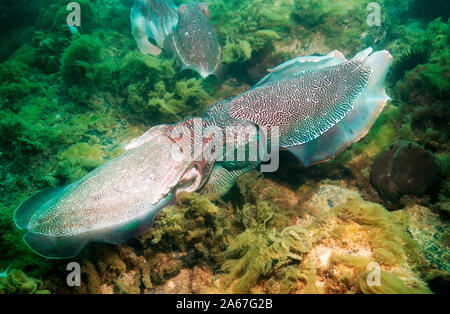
[
  {"x": 322, "y": 239},
  {"x": 70, "y": 101}
]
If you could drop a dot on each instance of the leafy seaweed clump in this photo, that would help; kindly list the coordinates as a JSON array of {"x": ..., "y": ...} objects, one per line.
[
  {"x": 16, "y": 282},
  {"x": 196, "y": 224}
]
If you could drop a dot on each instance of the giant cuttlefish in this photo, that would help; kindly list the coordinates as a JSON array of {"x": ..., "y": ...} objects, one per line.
[
  {"x": 185, "y": 32},
  {"x": 319, "y": 104},
  {"x": 155, "y": 19},
  {"x": 194, "y": 40}
]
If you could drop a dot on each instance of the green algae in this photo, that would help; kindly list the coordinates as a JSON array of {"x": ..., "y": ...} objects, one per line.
[
  {"x": 424, "y": 90},
  {"x": 16, "y": 282},
  {"x": 156, "y": 93},
  {"x": 80, "y": 59},
  {"x": 390, "y": 284},
  {"x": 386, "y": 234},
  {"x": 253, "y": 254},
  {"x": 79, "y": 159},
  {"x": 266, "y": 244},
  {"x": 53, "y": 18},
  {"x": 194, "y": 224},
  {"x": 249, "y": 26}
]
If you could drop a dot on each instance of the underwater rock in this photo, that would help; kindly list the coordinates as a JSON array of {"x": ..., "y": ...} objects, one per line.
[
  {"x": 405, "y": 168},
  {"x": 355, "y": 236},
  {"x": 429, "y": 230},
  {"x": 163, "y": 267},
  {"x": 440, "y": 283},
  {"x": 327, "y": 197},
  {"x": 195, "y": 280}
]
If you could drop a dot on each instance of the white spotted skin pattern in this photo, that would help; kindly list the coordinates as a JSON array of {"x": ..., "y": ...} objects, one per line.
[
  {"x": 119, "y": 191},
  {"x": 195, "y": 41},
  {"x": 304, "y": 105}
]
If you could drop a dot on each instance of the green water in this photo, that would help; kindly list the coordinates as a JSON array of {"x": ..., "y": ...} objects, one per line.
[{"x": 71, "y": 100}]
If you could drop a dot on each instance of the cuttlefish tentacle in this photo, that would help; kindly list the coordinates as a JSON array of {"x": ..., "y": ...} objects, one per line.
[{"x": 319, "y": 104}]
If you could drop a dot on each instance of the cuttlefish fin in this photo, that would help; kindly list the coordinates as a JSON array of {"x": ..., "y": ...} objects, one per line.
[
  {"x": 221, "y": 179},
  {"x": 45, "y": 245},
  {"x": 67, "y": 246},
  {"x": 302, "y": 64},
  {"x": 362, "y": 55},
  {"x": 26, "y": 210},
  {"x": 54, "y": 247},
  {"x": 140, "y": 33},
  {"x": 357, "y": 122}
]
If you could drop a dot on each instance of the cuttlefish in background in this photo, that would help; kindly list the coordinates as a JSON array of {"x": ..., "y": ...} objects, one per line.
[
  {"x": 155, "y": 19},
  {"x": 194, "y": 40},
  {"x": 319, "y": 104},
  {"x": 185, "y": 32}
]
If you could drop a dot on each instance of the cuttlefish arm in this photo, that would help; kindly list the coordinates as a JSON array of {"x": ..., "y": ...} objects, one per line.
[{"x": 114, "y": 202}]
